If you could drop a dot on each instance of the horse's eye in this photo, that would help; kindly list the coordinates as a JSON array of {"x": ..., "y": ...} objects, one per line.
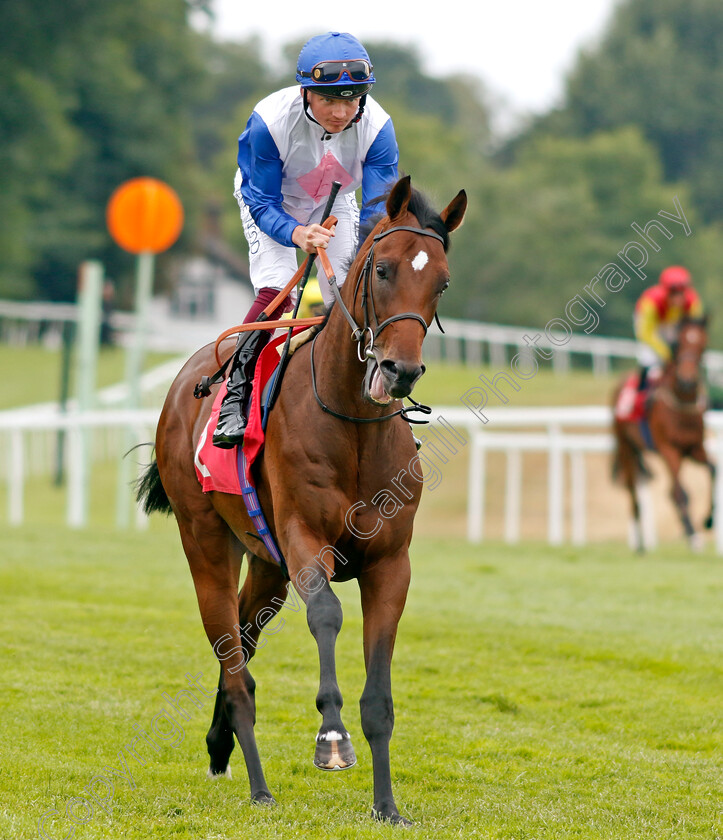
[
  {"x": 444, "y": 288},
  {"x": 381, "y": 271}
]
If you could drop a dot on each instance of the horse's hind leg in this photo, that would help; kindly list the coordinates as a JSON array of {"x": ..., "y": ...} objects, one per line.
[
  {"x": 214, "y": 556},
  {"x": 262, "y": 595},
  {"x": 219, "y": 739},
  {"x": 383, "y": 593},
  {"x": 627, "y": 467}
]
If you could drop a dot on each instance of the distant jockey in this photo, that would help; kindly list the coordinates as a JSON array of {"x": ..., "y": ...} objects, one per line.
[{"x": 658, "y": 312}]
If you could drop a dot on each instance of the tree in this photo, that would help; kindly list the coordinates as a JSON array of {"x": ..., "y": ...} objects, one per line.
[
  {"x": 233, "y": 72},
  {"x": 108, "y": 87},
  {"x": 660, "y": 67},
  {"x": 540, "y": 230}
]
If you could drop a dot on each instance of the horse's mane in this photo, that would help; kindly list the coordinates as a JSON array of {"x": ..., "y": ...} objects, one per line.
[
  {"x": 419, "y": 207},
  {"x": 687, "y": 321},
  {"x": 694, "y": 321}
]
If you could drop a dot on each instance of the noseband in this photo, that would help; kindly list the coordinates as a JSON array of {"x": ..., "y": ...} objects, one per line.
[{"x": 358, "y": 332}]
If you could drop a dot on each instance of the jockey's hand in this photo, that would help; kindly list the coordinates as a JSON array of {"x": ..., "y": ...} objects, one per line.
[{"x": 311, "y": 237}]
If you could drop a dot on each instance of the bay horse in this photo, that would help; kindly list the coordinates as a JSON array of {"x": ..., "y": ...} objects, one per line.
[
  {"x": 336, "y": 443},
  {"x": 675, "y": 420}
]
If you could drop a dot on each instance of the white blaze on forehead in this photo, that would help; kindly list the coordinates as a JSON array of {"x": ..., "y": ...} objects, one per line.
[{"x": 420, "y": 261}]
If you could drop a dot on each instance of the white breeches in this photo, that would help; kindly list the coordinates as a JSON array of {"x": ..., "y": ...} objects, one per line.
[{"x": 647, "y": 357}]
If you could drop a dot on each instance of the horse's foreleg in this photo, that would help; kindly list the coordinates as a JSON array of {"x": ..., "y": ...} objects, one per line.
[
  {"x": 673, "y": 460},
  {"x": 701, "y": 456},
  {"x": 214, "y": 556},
  {"x": 383, "y": 593},
  {"x": 710, "y": 519},
  {"x": 334, "y": 750}
]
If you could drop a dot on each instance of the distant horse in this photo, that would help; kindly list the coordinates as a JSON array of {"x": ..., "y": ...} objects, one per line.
[
  {"x": 675, "y": 420},
  {"x": 336, "y": 440}
]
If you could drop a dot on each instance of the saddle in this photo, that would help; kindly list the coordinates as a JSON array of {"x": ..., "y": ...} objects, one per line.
[
  {"x": 218, "y": 469},
  {"x": 631, "y": 404},
  {"x": 231, "y": 470},
  {"x": 632, "y": 407}
]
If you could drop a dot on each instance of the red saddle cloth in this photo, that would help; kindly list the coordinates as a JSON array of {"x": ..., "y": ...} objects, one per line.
[
  {"x": 218, "y": 469},
  {"x": 630, "y": 406}
]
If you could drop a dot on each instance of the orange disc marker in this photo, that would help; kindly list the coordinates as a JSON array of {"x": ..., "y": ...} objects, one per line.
[{"x": 144, "y": 215}]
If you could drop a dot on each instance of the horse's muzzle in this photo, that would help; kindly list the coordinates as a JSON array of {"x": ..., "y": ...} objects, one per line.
[
  {"x": 400, "y": 378},
  {"x": 686, "y": 386}
]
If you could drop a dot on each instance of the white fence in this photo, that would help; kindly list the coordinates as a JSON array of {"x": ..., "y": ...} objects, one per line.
[
  {"x": 137, "y": 427},
  {"x": 555, "y": 431},
  {"x": 32, "y": 446},
  {"x": 566, "y": 435},
  {"x": 463, "y": 341}
]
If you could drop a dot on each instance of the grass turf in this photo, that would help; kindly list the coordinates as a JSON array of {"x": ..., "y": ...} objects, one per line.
[
  {"x": 540, "y": 693},
  {"x": 32, "y": 374}
]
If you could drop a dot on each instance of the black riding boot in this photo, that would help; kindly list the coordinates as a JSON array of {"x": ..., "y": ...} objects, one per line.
[
  {"x": 643, "y": 379},
  {"x": 232, "y": 416}
]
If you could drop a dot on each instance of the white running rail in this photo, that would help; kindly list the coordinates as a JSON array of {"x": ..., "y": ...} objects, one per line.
[{"x": 565, "y": 434}]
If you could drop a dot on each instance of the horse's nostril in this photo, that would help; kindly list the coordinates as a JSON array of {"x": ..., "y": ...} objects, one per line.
[
  {"x": 687, "y": 384},
  {"x": 389, "y": 368},
  {"x": 401, "y": 377}
]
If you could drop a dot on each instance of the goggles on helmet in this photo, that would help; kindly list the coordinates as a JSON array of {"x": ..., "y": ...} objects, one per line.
[{"x": 327, "y": 72}]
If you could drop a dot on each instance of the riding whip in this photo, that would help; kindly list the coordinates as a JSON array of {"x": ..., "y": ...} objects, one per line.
[{"x": 335, "y": 187}]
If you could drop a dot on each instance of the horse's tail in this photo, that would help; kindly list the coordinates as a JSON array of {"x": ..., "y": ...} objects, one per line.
[{"x": 150, "y": 492}]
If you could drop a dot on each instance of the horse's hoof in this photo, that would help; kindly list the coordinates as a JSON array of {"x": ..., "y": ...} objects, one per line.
[
  {"x": 696, "y": 542},
  {"x": 222, "y": 774},
  {"x": 263, "y": 797},
  {"x": 393, "y": 817},
  {"x": 334, "y": 751}
]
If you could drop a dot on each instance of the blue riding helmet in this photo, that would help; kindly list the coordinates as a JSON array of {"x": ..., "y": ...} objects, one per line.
[{"x": 336, "y": 63}]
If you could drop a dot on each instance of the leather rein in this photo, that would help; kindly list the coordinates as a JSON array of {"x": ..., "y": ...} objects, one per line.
[{"x": 358, "y": 332}]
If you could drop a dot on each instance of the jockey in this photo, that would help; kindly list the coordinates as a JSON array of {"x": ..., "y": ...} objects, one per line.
[
  {"x": 296, "y": 143},
  {"x": 658, "y": 313}
]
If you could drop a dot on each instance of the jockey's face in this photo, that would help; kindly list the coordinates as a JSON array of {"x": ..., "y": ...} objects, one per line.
[
  {"x": 676, "y": 297},
  {"x": 333, "y": 115}
]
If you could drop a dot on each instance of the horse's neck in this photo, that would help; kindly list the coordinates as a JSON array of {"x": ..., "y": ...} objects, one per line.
[
  {"x": 669, "y": 381},
  {"x": 335, "y": 350}
]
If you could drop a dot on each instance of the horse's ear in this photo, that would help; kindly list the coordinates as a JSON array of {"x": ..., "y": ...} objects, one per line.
[
  {"x": 453, "y": 213},
  {"x": 399, "y": 197}
]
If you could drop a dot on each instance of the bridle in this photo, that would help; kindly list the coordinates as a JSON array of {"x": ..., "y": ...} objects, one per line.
[
  {"x": 367, "y": 296},
  {"x": 684, "y": 385},
  {"x": 372, "y": 328}
]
